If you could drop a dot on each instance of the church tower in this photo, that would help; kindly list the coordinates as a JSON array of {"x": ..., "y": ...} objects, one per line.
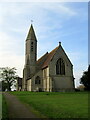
[{"x": 30, "y": 56}]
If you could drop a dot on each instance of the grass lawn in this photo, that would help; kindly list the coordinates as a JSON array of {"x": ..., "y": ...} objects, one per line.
[
  {"x": 57, "y": 105},
  {"x": 4, "y": 109}
]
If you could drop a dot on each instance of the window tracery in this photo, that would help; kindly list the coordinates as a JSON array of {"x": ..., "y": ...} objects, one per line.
[{"x": 60, "y": 67}]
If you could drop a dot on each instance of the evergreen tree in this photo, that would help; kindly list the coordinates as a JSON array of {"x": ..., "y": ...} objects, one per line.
[{"x": 85, "y": 79}]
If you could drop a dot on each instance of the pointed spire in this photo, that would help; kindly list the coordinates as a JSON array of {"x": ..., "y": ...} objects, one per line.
[{"x": 31, "y": 34}]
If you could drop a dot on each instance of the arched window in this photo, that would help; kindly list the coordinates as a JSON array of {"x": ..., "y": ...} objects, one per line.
[
  {"x": 60, "y": 67},
  {"x": 37, "y": 80}
]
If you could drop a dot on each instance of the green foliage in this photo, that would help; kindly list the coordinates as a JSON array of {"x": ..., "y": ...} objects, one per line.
[
  {"x": 57, "y": 105},
  {"x": 85, "y": 79},
  {"x": 8, "y": 77},
  {"x": 5, "y": 86}
]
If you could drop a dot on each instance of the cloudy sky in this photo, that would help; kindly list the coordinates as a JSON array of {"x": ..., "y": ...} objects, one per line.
[{"x": 53, "y": 22}]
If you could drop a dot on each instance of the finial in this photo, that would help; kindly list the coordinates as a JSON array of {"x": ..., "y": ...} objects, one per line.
[
  {"x": 59, "y": 43},
  {"x": 31, "y": 21}
]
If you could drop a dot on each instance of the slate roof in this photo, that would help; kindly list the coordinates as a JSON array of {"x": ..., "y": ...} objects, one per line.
[
  {"x": 48, "y": 56},
  {"x": 43, "y": 57}
]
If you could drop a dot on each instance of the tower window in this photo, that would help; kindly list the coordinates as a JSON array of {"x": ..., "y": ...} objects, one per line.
[
  {"x": 60, "y": 67},
  {"x": 31, "y": 43},
  {"x": 37, "y": 80},
  {"x": 31, "y": 46}
]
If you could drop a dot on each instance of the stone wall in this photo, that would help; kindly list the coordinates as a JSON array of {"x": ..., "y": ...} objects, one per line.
[{"x": 61, "y": 82}]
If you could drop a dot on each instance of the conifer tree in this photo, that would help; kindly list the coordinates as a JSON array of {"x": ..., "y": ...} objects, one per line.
[{"x": 85, "y": 79}]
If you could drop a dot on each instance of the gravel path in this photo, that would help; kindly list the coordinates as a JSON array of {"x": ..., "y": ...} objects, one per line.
[{"x": 16, "y": 108}]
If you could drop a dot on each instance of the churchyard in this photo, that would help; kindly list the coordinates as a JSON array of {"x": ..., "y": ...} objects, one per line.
[{"x": 56, "y": 104}]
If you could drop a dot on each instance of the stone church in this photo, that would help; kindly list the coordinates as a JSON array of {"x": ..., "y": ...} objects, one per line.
[{"x": 52, "y": 72}]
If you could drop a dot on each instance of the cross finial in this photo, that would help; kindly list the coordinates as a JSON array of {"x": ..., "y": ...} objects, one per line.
[{"x": 59, "y": 43}]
